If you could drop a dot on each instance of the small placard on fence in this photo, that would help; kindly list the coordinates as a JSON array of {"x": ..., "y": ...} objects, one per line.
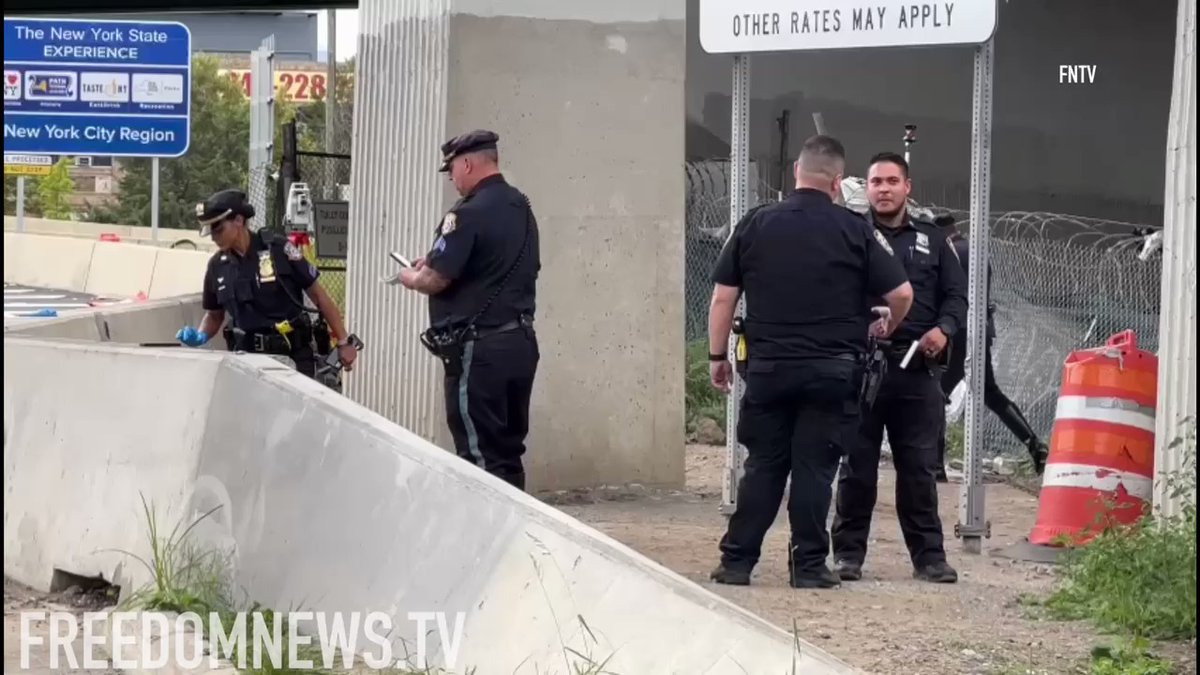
[{"x": 332, "y": 221}]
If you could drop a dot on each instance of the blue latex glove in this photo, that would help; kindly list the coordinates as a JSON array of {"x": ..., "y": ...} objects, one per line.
[{"x": 191, "y": 337}]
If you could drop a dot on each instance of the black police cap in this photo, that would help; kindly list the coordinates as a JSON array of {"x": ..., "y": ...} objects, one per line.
[
  {"x": 473, "y": 141},
  {"x": 222, "y": 205}
]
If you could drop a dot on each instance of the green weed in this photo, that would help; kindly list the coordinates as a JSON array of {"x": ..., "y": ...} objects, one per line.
[
  {"x": 1130, "y": 658},
  {"x": 701, "y": 399},
  {"x": 184, "y": 577}
]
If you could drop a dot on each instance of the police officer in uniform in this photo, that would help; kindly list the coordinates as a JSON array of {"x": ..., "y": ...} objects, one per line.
[
  {"x": 808, "y": 268},
  {"x": 910, "y": 405},
  {"x": 258, "y": 279},
  {"x": 993, "y": 397},
  {"x": 481, "y": 279}
]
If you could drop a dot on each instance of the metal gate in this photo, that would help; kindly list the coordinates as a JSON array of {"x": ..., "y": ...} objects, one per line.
[{"x": 327, "y": 177}]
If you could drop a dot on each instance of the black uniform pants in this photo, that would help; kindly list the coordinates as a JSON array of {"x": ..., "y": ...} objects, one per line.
[
  {"x": 795, "y": 418},
  {"x": 910, "y": 407},
  {"x": 993, "y": 397},
  {"x": 487, "y": 405}
]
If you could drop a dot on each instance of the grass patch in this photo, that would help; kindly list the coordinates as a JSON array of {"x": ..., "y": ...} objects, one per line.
[
  {"x": 956, "y": 440},
  {"x": 702, "y": 401},
  {"x": 1129, "y": 658}
]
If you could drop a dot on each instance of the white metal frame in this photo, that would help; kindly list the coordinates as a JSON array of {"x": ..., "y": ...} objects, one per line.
[
  {"x": 262, "y": 123},
  {"x": 972, "y": 525}
]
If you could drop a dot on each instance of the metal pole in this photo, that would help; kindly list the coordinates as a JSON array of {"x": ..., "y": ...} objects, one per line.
[
  {"x": 20, "y": 203},
  {"x": 739, "y": 189},
  {"x": 154, "y": 199},
  {"x": 972, "y": 526},
  {"x": 331, "y": 80}
]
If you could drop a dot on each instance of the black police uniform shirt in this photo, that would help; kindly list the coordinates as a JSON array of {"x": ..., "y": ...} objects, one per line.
[
  {"x": 806, "y": 266},
  {"x": 476, "y": 245},
  {"x": 936, "y": 274},
  {"x": 261, "y": 288}
]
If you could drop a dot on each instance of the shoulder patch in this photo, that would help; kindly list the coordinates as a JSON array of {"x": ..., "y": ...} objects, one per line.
[
  {"x": 449, "y": 223},
  {"x": 292, "y": 251},
  {"x": 883, "y": 241}
]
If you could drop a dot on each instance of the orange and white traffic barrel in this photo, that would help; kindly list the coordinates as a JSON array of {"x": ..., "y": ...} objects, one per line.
[{"x": 1100, "y": 470}]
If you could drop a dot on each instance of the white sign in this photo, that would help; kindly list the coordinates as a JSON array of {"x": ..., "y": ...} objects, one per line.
[
  {"x": 332, "y": 224},
  {"x": 742, "y": 26},
  {"x": 28, "y": 160}
]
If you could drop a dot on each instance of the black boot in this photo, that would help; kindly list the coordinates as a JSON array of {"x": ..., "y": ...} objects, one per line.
[{"x": 1015, "y": 421}]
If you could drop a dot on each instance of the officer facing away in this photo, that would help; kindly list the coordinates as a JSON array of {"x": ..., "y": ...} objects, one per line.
[
  {"x": 481, "y": 279},
  {"x": 808, "y": 268},
  {"x": 257, "y": 278},
  {"x": 993, "y": 396},
  {"x": 910, "y": 404}
]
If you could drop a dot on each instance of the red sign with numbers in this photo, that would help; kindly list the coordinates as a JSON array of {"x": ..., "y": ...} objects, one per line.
[{"x": 296, "y": 85}]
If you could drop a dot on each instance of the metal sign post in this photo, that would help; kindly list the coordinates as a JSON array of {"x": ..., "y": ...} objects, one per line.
[
  {"x": 971, "y": 525},
  {"x": 741, "y": 27},
  {"x": 739, "y": 192},
  {"x": 262, "y": 124}
]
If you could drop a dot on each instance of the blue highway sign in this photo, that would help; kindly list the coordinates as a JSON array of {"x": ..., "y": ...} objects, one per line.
[{"x": 87, "y": 87}]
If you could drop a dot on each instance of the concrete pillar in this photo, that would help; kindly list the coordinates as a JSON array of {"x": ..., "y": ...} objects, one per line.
[
  {"x": 588, "y": 100},
  {"x": 1177, "y": 332}
]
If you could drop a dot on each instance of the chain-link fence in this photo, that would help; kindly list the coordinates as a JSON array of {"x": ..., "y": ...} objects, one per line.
[
  {"x": 327, "y": 176},
  {"x": 1060, "y": 283},
  {"x": 706, "y": 227}
]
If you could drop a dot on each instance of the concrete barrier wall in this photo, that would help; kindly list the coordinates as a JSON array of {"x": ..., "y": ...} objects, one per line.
[
  {"x": 127, "y": 233},
  {"x": 328, "y": 506},
  {"x": 101, "y": 267},
  {"x": 152, "y": 321}
]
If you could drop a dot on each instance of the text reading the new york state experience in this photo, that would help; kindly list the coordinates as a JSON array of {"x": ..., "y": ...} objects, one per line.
[
  {"x": 108, "y": 37},
  {"x": 914, "y": 16}
]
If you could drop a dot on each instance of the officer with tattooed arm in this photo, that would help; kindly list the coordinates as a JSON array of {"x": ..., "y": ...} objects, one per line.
[{"x": 481, "y": 279}]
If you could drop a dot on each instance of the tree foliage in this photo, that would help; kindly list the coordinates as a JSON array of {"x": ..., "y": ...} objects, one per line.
[
  {"x": 54, "y": 191},
  {"x": 216, "y": 157}
]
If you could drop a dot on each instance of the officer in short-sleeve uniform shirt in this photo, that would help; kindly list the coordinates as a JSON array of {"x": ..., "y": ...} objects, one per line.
[
  {"x": 481, "y": 278},
  {"x": 910, "y": 405},
  {"x": 808, "y": 268},
  {"x": 258, "y": 279}
]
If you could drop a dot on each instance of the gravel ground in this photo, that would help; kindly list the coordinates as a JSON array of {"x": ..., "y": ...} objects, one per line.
[{"x": 887, "y": 623}]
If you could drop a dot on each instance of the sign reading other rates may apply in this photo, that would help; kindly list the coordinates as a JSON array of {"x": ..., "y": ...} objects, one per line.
[{"x": 742, "y": 26}]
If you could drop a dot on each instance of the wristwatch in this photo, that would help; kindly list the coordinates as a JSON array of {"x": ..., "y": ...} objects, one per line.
[{"x": 718, "y": 357}]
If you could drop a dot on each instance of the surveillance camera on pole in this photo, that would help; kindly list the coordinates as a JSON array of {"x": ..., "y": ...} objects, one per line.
[{"x": 910, "y": 137}]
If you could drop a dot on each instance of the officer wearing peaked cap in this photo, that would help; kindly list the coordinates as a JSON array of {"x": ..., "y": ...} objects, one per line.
[
  {"x": 481, "y": 279},
  {"x": 257, "y": 278}
]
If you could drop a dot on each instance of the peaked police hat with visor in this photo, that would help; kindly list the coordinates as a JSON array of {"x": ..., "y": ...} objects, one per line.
[
  {"x": 222, "y": 205},
  {"x": 473, "y": 141}
]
